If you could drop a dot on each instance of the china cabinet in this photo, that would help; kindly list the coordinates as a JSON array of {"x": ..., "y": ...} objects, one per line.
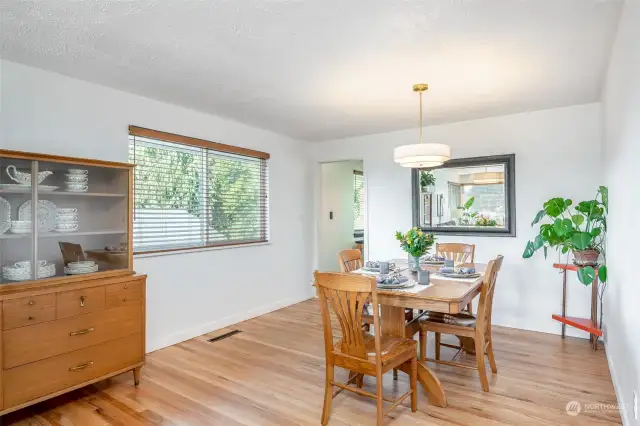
[{"x": 73, "y": 309}]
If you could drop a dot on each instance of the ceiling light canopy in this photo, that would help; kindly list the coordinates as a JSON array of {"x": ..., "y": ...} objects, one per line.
[{"x": 421, "y": 155}]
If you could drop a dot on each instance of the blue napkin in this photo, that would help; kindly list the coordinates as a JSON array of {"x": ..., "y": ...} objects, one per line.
[{"x": 447, "y": 270}]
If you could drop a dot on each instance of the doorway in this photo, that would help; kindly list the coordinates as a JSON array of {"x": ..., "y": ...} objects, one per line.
[{"x": 342, "y": 211}]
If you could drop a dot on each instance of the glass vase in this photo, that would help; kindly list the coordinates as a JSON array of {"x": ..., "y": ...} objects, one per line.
[{"x": 414, "y": 263}]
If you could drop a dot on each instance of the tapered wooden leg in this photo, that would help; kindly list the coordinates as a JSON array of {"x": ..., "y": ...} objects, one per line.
[
  {"x": 359, "y": 380},
  {"x": 492, "y": 359},
  {"x": 395, "y": 374},
  {"x": 328, "y": 395},
  {"x": 414, "y": 385},
  {"x": 470, "y": 308},
  {"x": 423, "y": 345},
  {"x": 136, "y": 376},
  {"x": 480, "y": 363},
  {"x": 437, "y": 345},
  {"x": 380, "y": 408},
  {"x": 432, "y": 385}
]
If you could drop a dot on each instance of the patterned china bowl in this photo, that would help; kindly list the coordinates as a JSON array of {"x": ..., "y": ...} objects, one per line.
[
  {"x": 74, "y": 178},
  {"x": 66, "y": 210}
]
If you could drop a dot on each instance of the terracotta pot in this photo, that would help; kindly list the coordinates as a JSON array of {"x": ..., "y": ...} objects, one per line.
[{"x": 586, "y": 257}]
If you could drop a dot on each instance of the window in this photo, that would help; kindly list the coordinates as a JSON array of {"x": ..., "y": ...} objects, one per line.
[
  {"x": 467, "y": 196},
  {"x": 189, "y": 193},
  {"x": 358, "y": 203}
]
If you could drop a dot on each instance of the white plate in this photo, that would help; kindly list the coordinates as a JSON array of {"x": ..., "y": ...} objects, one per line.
[
  {"x": 20, "y": 188},
  {"x": 20, "y": 231},
  {"x": 46, "y": 214},
  {"x": 5, "y": 215},
  {"x": 454, "y": 275},
  {"x": 76, "y": 190},
  {"x": 79, "y": 271},
  {"x": 65, "y": 231}
]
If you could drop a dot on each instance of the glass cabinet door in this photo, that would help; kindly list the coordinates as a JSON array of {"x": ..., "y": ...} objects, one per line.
[
  {"x": 83, "y": 219},
  {"x": 16, "y": 236}
]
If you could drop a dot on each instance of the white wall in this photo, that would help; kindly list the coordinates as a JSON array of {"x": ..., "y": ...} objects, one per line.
[
  {"x": 190, "y": 293},
  {"x": 337, "y": 196},
  {"x": 621, "y": 151},
  {"x": 557, "y": 153}
]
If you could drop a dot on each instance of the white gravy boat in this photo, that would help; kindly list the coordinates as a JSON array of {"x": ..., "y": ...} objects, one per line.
[{"x": 24, "y": 178}]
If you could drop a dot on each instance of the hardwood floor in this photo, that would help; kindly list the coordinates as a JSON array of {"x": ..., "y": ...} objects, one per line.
[{"x": 272, "y": 373}]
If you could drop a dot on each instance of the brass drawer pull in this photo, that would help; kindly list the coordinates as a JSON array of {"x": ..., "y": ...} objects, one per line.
[
  {"x": 31, "y": 303},
  {"x": 81, "y": 367},
  {"x": 79, "y": 332},
  {"x": 82, "y": 301},
  {"x": 126, "y": 286}
]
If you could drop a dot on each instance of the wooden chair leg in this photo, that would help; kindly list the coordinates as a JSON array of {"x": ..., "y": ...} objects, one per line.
[
  {"x": 395, "y": 374},
  {"x": 359, "y": 380},
  {"x": 492, "y": 359},
  {"x": 328, "y": 395},
  {"x": 414, "y": 385},
  {"x": 480, "y": 362},
  {"x": 437, "y": 346},
  {"x": 379, "y": 400},
  {"x": 423, "y": 345},
  {"x": 136, "y": 376},
  {"x": 470, "y": 308}
]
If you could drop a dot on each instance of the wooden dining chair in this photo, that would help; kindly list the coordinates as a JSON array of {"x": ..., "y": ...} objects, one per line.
[
  {"x": 350, "y": 260},
  {"x": 360, "y": 353},
  {"x": 71, "y": 252},
  {"x": 460, "y": 253},
  {"x": 466, "y": 325}
]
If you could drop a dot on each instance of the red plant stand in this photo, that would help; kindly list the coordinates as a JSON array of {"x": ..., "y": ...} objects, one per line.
[{"x": 590, "y": 325}]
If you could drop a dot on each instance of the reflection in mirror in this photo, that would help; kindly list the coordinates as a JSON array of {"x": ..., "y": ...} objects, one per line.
[{"x": 468, "y": 195}]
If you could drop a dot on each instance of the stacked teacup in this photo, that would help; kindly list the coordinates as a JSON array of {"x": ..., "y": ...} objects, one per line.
[
  {"x": 66, "y": 220},
  {"x": 81, "y": 267},
  {"x": 77, "y": 180}
]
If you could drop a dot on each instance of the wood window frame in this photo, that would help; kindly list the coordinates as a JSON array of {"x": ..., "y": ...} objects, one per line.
[{"x": 214, "y": 146}]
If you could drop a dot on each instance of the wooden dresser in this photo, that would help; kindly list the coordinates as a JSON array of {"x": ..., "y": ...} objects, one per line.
[
  {"x": 60, "y": 337},
  {"x": 69, "y": 318}
]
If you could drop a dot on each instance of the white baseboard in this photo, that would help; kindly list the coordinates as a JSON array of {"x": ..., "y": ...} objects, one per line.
[
  {"x": 200, "y": 329},
  {"x": 625, "y": 412}
]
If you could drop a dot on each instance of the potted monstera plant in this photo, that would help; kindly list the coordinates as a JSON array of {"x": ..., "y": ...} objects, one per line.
[
  {"x": 427, "y": 182},
  {"x": 579, "y": 229}
]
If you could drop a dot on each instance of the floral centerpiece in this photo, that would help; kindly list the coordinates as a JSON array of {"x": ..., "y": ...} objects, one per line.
[{"x": 416, "y": 243}]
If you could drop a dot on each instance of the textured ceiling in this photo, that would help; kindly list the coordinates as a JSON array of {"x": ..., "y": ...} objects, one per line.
[{"x": 324, "y": 69}]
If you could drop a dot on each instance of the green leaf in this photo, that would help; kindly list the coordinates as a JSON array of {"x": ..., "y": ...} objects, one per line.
[
  {"x": 568, "y": 202},
  {"x": 585, "y": 206},
  {"x": 604, "y": 194},
  {"x": 528, "y": 250},
  {"x": 562, "y": 226},
  {"x": 578, "y": 219},
  {"x": 555, "y": 207},
  {"x": 565, "y": 249},
  {"x": 469, "y": 203},
  {"x": 581, "y": 240},
  {"x": 595, "y": 232},
  {"x": 538, "y": 242},
  {"x": 538, "y": 217},
  {"x": 586, "y": 275},
  {"x": 602, "y": 273}
]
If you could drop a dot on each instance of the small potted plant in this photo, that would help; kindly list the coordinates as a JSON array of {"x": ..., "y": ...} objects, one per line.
[
  {"x": 467, "y": 215},
  {"x": 483, "y": 220},
  {"x": 578, "y": 229},
  {"x": 416, "y": 243},
  {"x": 427, "y": 182}
]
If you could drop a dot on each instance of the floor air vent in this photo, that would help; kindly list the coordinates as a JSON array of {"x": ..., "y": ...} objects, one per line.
[{"x": 224, "y": 336}]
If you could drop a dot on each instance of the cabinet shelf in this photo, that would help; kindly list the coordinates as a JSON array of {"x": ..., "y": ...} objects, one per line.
[
  {"x": 62, "y": 193},
  {"x": 9, "y": 236}
]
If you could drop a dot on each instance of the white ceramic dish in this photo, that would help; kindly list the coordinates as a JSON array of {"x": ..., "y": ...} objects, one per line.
[
  {"x": 26, "y": 264},
  {"x": 76, "y": 178},
  {"x": 22, "y": 188},
  {"x": 24, "y": 178},
  {"x": 78, "y": 271},
  {"x": 77, "y": 187},
  {"x": 67, "y": 218},
  {"x": 78, "y": 172},
  {"x": 81, "y": 263},
  {"x": 46, "y": 214},
  {"x": 5, "y": 215},
  {"x": 21, "y": 226},
  {"x": 67, "y": 210}
]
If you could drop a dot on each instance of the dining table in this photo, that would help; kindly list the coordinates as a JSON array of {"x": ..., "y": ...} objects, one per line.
[{"x": 441, "y": 294}]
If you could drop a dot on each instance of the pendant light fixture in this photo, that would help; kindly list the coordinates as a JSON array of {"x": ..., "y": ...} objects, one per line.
[{"x": 421, "y": 155}]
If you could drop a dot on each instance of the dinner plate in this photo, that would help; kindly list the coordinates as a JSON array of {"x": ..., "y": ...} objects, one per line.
[
  {"x": 20, "y": 188},
  {"x": 46, "y": 214},
  {"x": 5, "y": 215},
  {"x": 431, "y": 262},
  {"x": 453, "y": 275},
  {"x": 406, "y": 284}
]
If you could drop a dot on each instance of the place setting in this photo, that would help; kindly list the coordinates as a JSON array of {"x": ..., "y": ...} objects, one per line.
[{"x": 453, "y": 270}]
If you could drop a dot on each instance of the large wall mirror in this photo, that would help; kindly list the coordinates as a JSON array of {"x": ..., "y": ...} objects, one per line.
[{"x": 467, "y": 196}]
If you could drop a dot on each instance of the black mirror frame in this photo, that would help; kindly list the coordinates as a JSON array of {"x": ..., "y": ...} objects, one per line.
[{"x": 509, "y": 161}]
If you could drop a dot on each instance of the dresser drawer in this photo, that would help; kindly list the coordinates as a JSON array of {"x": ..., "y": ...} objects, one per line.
[
  {"x": 28, "y": 303},
  {"x": 129, "y": 292},
  {"x": 29, "y": 344},
  {"x": 20, "y": 318},
  {"x": 22, "y": 384},
  {"x": 77, "y": 302}
]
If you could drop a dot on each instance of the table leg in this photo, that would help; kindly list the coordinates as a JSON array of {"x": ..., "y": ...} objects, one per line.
[{"x": 393, "y": 324}]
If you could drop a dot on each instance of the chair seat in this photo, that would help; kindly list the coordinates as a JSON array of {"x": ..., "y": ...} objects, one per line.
[
  {"x": 464, "y": 319},
  {"x": 390, "y": 347}
]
